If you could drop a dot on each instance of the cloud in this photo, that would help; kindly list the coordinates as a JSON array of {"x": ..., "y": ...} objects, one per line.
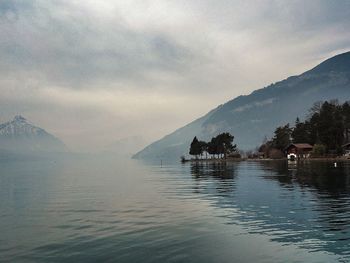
[
  {"x": 146, "y": 67},
  {"x": 72, "y": 47}
]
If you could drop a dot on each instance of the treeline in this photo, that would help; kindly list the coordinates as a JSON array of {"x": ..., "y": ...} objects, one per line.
[
  {"x": 327, "y": 128},
  {"x": 219, "y": 146}
]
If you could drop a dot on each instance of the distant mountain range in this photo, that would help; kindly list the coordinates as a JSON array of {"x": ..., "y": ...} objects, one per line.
[
  {"x": 250, "y": 118},
  {"x": 20, "y": 136}
]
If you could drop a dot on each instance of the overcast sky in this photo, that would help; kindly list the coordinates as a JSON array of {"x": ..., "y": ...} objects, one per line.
[{"x": 92, "y": 72}]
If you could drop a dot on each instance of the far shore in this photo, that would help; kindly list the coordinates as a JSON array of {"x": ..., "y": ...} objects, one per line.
[{"x": 327, "y": 159}]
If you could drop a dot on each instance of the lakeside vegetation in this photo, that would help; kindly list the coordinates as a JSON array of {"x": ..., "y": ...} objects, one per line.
[
  {"x": 327, "y": 128},
  {"x": 219, "y": 146}
]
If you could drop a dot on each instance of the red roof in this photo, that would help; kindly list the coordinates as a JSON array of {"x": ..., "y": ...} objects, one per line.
[{"x": 301, "y": 145}]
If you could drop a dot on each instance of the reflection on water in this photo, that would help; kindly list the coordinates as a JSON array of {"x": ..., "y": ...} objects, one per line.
[
  {"x": 216, "y": 170},
  {"x": 310, "y": 206},
  {"x": 329, "y": 190},
  {"x": 107, "y": 210}
]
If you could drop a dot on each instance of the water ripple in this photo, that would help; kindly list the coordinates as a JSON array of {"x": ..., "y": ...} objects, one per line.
[{"x": 198, "y": 212}]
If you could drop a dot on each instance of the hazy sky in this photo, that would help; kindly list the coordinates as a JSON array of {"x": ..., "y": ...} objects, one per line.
[{"x": 92, "y": 72}]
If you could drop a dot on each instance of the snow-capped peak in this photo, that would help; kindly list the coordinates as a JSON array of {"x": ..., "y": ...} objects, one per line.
[
  {"x": 19, "y": 118},
  {"x": 19, "y": 127},
  {"x": 20, "y": 135}
]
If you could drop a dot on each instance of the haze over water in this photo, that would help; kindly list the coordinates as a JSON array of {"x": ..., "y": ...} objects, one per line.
[{"x": 107, "y": 210}]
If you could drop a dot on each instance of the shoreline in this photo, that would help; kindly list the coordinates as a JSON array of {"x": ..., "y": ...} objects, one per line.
[{"x": 326, "y": 159}]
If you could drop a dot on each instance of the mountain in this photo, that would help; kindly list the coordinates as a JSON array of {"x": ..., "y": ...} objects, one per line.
[
  {"x": 252, "y": 117},
  {"x": 19, "y": 136}
]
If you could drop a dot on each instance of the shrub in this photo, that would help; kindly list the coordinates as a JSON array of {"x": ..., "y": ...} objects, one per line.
[
  {"x": 318, "y": 150},
  {"x": 276, "y": 154}
]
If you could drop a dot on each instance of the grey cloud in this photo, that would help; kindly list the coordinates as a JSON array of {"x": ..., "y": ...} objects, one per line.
[
  {"x": 184, "y": 56},
  {"x": 73, "y": 50},
  {"x": 297, "y": 15}
]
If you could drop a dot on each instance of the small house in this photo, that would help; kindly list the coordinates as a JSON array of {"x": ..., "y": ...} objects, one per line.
[{"x": 298, "y": 151}]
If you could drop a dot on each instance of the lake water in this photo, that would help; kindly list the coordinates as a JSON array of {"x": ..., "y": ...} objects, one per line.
[{"x": 107, "y": 210}]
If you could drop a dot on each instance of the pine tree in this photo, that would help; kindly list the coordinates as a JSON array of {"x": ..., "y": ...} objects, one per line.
[
  {"x": 211, "y": 147},
  {"x": 195, "y": 148},
  {"x": 282, "y": 137},
  {"x": 300, "y": 132},
  {"x": 346, "y": 121},
  {"x": 204, "y": 148},
  {"x": 222, "y": 144}
]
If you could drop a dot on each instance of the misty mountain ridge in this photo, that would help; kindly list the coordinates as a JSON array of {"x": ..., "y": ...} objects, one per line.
[
  {"x": 20, "y": 136},
  {"x": 252, "y": 117}
]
